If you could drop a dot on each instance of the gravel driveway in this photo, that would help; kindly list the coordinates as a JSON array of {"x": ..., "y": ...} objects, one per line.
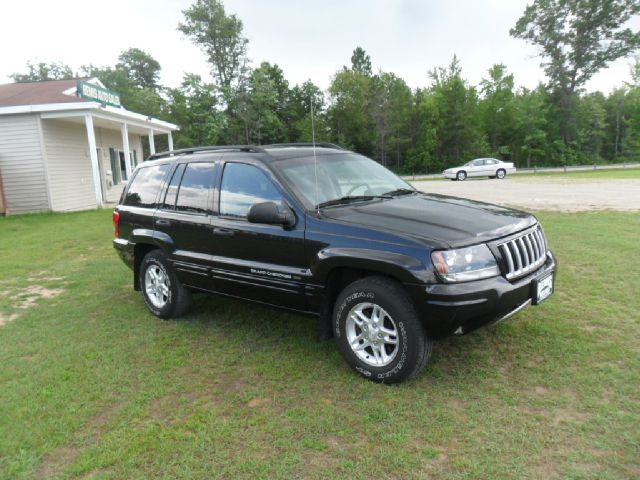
[{"x": 544, "y": 193}]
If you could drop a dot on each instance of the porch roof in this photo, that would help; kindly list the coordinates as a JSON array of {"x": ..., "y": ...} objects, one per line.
[{"x": 58, "y": 99}]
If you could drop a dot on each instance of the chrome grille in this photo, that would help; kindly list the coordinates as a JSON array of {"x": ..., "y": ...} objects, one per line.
[{"x": 524, "y": 253}]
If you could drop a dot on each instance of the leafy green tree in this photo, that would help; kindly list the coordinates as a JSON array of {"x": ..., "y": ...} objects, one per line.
[
  {"x": 530, "y": 123},
  {"x": 194, "y": 106},
  {"x": 303, "y": 99},
  {"x": 221, "y": 38},
  {"x": 269, "y": 92},
  {"x": 349, "y": 112},
  {"x": 38, "y": 72},
  {"x": 361, "y": 62},
  {"x": 577, "y": 38},
  {"x": 497, "y": 109},
  {"x": 391, "y": 105},
  {"x": 458, "y": 134},
  {"x": 141, "y": 68},
  {"x": 420, "y": 156},
  {"x": 591, "y": 122}
]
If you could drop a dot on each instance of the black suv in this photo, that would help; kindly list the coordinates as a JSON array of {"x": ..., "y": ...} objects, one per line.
[{"x": 325, "y": 231}]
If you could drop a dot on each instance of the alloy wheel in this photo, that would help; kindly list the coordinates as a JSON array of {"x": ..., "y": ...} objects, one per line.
[{"x": 372, "y": 334}]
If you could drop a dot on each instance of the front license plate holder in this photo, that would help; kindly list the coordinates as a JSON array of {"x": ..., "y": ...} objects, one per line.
[{"x": 542, "y": 288}]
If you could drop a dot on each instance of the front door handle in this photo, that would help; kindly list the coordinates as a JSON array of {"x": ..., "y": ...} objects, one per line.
[
  {"x": 223, "y": 232},
  {"x": 163, "y": 223}
]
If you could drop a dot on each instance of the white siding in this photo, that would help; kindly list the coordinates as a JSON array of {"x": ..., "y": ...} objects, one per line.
[
  {"x": 22, "y": 165},
  {"x": 68, "y": 165}
]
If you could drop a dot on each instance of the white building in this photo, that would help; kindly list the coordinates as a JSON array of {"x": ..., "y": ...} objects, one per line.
[{"x": 68, "y": 145}]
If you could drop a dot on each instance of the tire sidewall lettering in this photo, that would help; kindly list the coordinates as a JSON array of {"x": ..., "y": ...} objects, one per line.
[{"x": 351, "y": 298}]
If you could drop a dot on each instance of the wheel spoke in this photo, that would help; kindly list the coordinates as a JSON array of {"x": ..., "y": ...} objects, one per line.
[
  {"x": 153, "y": 274},
  {"x": 383, "y": 354},
  {"x": 390, "y": 341},
  {"x": 356, "y": 341},
  {"x": 372, "y": 334},
  {"x": 355, "y": 316},
  {"x": 376, "y": 354},
  {"x": 388, "y": 331}
]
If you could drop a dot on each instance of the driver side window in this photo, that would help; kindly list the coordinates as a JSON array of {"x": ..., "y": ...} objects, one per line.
[{"x": 244, "y": 185}]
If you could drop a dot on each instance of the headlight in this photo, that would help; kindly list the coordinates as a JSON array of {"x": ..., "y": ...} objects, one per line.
[{"x": 465, "y": 264}]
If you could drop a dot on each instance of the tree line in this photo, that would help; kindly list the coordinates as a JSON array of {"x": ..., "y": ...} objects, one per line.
[{"x": 377, "y": 114}]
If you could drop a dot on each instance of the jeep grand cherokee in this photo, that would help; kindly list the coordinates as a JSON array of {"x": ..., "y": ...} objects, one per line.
[{"x": 325, "y": 231}]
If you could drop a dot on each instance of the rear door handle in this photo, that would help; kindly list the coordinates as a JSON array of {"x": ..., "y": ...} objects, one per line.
[
  {"x": 223, "y": 232},
  {"x": 162, "y": 223}
]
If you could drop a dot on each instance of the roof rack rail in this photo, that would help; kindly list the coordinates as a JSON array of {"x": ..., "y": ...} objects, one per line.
[
  {"x": 219, "y": 148},
  {"x": 305, "y": 144}
]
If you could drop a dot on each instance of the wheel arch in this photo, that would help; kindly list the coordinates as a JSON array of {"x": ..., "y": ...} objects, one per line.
[
  {"x": 146, "y": 241},
  {"x": 336, "y": 272}
]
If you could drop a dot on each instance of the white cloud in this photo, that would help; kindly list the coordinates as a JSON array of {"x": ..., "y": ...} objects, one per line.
[{"x": 307, "y": 39}]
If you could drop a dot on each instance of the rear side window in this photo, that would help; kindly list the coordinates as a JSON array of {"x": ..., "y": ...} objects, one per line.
[
  {"x": 242, "y": 186},
  {"x": 193, "y": 194},
  {"x": 172, "y": 191},
  {"x": 145, "y": 186}
]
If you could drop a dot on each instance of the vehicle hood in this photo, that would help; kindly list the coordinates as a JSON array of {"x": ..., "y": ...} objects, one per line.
[{"x": 438, "y": 219}]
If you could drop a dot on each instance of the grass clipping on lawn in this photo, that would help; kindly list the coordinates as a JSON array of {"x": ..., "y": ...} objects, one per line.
[{"x": 93, "y": 386}]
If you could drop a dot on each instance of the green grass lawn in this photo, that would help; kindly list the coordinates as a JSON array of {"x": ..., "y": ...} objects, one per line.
[
  {"x": 600, "y": 174},
  {"x": 93, "y": 386}
]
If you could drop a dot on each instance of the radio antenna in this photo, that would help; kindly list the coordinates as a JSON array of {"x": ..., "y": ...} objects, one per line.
[{"x": 315, "y": 158}]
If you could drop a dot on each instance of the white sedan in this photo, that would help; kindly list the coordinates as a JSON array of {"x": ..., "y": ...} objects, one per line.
[{"x": 480, "y": 167}]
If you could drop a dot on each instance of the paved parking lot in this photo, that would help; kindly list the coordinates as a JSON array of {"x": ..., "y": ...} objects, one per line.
[{"x": 544, "y": 193}]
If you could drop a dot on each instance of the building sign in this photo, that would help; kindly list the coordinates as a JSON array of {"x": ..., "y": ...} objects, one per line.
[{"x": 99, "y": 94}]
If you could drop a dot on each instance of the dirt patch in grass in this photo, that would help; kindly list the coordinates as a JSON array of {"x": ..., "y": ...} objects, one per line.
[
  {"x": 30, "y": 295},
  {"x": 63, "y": 456},
  {"x": 55, "y": 461},
  {"x": 7, "y": 317},
  {"x": 24, "y": 298}
]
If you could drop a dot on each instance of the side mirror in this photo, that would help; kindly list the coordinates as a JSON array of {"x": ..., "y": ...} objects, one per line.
[{"x": 267, "y": 212}]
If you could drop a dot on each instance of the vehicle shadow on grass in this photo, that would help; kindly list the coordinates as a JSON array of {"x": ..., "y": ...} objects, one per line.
[{"x": 491, "y": 349}]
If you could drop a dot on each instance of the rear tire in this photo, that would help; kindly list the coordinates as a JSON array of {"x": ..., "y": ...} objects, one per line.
[
  {"x": 461, "y": 175},
  {"x": 378, "y": 331},
  {"x": 501, "y": 173},
  {"x": 164, "y": 295}
]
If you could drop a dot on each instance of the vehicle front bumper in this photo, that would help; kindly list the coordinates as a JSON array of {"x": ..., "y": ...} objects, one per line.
[
  {"x": 449, "y": 174},
  {"x": 460, "y": 308}
]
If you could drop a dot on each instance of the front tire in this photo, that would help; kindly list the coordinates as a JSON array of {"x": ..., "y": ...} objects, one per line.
[
  {"x": 378, "y": 331},
  {"x": 500, "y": 174},
  {"x": 164, "y": 295},
  {"x": 461, "y": 175}
]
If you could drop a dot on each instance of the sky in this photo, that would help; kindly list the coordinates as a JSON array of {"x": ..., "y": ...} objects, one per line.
[{"x": 307, "y": 39}]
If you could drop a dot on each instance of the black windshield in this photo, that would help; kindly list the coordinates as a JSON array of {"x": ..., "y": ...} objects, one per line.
[{"x": 339, "y": 176}]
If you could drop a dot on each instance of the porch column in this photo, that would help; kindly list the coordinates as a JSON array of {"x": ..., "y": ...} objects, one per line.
[
  {"x": 125, "y": 145},
  {"x": 170, "y": 141},
  {"x": 152, "y": 145},
  {"x": 93, "y": 155}
]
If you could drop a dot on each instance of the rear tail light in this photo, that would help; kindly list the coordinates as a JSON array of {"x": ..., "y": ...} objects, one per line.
[{"x": 116, "y": 226}]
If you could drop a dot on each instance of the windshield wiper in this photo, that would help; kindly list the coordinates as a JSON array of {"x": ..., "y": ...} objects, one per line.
[
  {"x": 349, "y": 199},
  {"x": 400, "y": 191}
]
